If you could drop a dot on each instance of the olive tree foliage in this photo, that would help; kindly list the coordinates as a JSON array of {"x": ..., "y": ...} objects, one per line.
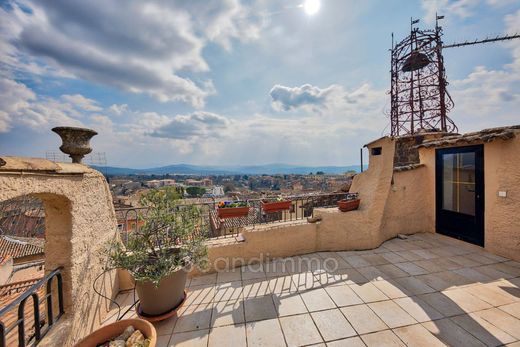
[{"x": 169, "y": 238}]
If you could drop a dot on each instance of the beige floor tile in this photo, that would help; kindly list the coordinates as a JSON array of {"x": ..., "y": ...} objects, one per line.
[
  {"x": 198, "y": 338},
  {"x": 300, "y": 330},
  {"x": 229, "y": 276},
  {"x": 341, "y": 277},
  {"x": 447, "y": 264},
  {"x": 287, "y": 304},
  {"x": 194, "y": 318},
  {"x": 411, "y": 268},
  {"x": 410, "y": 256},
  {"x": 480, "y": 258},
  {"x": 431, "y": 266},
  {"x": 425, "y": 254},
  {"x": 393, "y": 257},
  {"x": 230, "y": 291},
  {"x": 343, "y": 295},
  {"x": 371, "y": 273},
  {"x": 202, "y": 294},
  {"x": 163, "y": 341},
  {"x": 486, "y": 332},
  {"x": 265, "y": 333},
  {"x": 356, "y": 261},
  {"x": 473, "y": 275},
  {"x": 492, "y": 272},
  {"x": 512, "y": 309},
  {"x": 256, "y": 288},
  {"x": 253, "y": 271},
  {"x": 375, "y": 259},
  {"x": 464, "y": 261},
  {"x": 226, "y": 313},
  {"x": 317, "y": 299},
  {"x": 390, "y": 289},
  {"x": 418, "y": 309},
  {"x": 467, "y": 302},
  {"x": 442, "y": 303},
  {"x": 435, "y": 281},
  {"x": 282, "y": 284},
  {"x": 454, "y": 279},
  {"x": 306, "y": 280},
  {"x": 392, "y": 314},
  {"x": 363, "y": 319},
  {"x": 385, "y": 338},
  {"x": 491, "y": 294},
  {"x": 229, "y": 335},
  {"x": 451, "y": 334},
  {"x": 417, "y": 335},
  {"x": 503, "y": 320},
  {"x": 391, "y": 271},
  {"x": 368, "y": 292},
  {"x": 413, "y": 286},
  {"x": 204, "y": 279},
  {"x": 350, "y": 342},
  {"x": 259, "y": 308},
  {"x": 165, "y": 327},
  {"x": 332, "y": 325}
]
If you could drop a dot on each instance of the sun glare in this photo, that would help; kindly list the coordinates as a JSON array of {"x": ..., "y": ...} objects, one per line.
[{"x": 311, "y": 6}]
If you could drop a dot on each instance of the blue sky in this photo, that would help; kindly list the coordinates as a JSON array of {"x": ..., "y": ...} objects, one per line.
[{"x": 235, "y": 82}]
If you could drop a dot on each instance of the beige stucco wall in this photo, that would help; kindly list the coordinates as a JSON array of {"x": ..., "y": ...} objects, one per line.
[
  {"x": 6, "y": 269},
  {"x": 79, "y": 219},
  {"x": 501, "y": 218},
  {"x": 391, "y": 203},
  {"x": 501, "y": 173}
]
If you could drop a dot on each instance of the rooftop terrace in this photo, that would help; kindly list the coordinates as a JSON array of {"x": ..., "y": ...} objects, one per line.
[{"x": 426, "y": 290}]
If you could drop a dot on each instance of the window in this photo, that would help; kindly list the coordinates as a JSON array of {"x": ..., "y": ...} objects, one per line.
[{"x": 376, "y": 150}]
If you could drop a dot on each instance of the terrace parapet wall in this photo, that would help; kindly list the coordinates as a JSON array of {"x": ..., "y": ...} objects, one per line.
[{"x": 79, "y": 219}]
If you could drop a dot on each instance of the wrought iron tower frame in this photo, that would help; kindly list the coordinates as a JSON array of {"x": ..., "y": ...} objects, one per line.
[{"x": 419, "y": 99}]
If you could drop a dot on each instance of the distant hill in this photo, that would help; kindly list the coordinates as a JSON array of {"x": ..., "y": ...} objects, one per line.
[{"x": 187, "y": 169}]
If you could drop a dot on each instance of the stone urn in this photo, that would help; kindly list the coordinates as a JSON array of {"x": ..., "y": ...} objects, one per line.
[{"x": 75, "y": 141}]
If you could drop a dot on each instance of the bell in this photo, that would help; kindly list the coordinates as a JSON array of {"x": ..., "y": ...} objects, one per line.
[{"x": 415, "y": 61}]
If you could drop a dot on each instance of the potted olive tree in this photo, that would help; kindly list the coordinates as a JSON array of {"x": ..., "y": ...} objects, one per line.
[{"x": 159, "y": 254}]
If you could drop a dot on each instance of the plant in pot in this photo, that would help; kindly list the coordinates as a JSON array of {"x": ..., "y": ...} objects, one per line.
[
  {"x": 233, "y": 209},
  {"x": 158, "y": 255},
  {"x": 279, "y": 204}
]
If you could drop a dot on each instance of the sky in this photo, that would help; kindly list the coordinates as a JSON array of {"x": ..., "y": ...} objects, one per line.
[{"x": 233, "y": 82}]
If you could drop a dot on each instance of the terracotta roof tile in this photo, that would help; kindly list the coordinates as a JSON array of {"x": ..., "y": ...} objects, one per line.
[{"x": 19, "y": 247}]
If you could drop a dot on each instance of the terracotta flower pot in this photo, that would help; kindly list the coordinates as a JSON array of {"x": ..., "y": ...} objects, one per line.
[
  {"x": 277, "y": 206},
  {"x": 155, "y": 301},
  {"x": 233, "y": 212},
  {"x": 113, "y": 330},
  {"x": 348, "y": 205},
  {"x": 76, "y": 141}
]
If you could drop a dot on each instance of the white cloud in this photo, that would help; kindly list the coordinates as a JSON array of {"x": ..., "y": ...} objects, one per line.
[
  {"x": 195, "y": 125},
  {"x": 118, "y": 109},
  {"x": 146, "y": 48},
  {"x": 19, "y": 105},
  {"x": 449, "y": 8},
  {"x": 82, "y": 102}
]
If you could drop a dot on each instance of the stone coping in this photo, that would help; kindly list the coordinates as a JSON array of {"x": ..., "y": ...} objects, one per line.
[
  {"x": 486, "y": 135},
  {"x": 26, "y": 164}
]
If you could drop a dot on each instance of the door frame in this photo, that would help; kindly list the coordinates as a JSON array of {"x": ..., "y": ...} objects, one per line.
[{"x": 479, "y": 194}]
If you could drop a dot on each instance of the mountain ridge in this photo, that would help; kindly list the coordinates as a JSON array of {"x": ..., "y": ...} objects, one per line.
[{"x": 204, "y": 170}]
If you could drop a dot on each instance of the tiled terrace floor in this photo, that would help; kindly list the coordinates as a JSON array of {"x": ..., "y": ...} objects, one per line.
[{"x": 427, "y": 290}]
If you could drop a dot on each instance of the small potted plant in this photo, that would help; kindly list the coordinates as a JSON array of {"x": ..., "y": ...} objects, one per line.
[
  {"x": 158, "y": 255},
  {"x": 350, "y": 203},
  {"x": 280, "y": 204},
  {"x": 233, "y": 209}
]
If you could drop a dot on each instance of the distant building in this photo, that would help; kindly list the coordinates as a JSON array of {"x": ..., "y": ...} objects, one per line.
[
  {"x": 217, "y": 191},
  {"x": 206, "y": 182},
  {"x": 160, "y": 183}
]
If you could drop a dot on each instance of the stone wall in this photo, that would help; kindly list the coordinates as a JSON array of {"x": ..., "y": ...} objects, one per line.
[{"x": 79, "y": 219}]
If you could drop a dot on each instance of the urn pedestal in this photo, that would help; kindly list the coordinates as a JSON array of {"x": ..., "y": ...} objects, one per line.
[{"x": 75, "y": 141}]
